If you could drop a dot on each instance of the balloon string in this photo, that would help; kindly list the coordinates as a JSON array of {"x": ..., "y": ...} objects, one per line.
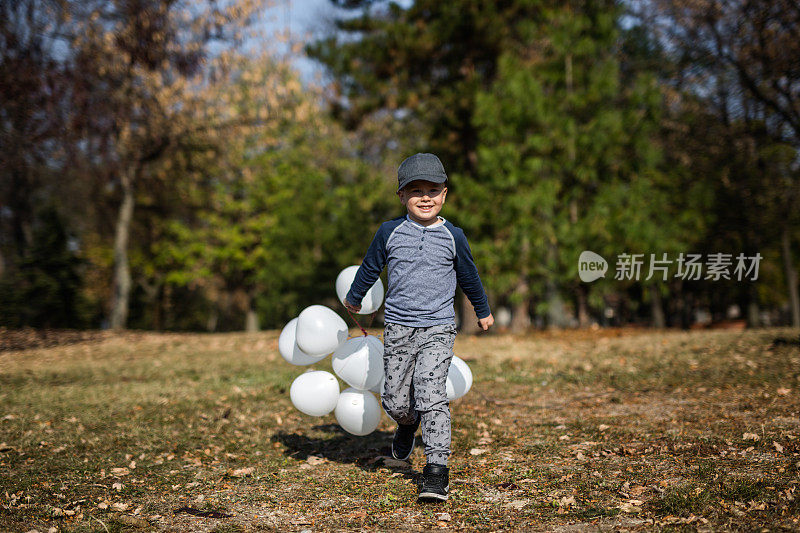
[{"x": 356, "y": 321}]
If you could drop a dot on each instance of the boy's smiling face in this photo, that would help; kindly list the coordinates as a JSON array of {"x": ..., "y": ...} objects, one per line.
[{"x": 423, "y": 200}]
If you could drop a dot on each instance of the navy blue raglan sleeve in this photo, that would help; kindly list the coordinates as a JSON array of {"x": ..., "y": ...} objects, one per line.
[
  {"x": 371, "y": 267},
  {"x": 467, "y": 275}
]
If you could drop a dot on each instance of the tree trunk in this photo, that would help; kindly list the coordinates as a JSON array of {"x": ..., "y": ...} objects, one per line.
[
  {"x": 469, "y": 321},
  {"x": 520, "y": 318},
  {"x": 122, "y": 273},
  {"x": 213, "y": 319},
  {"x": 556, "y": 314},
  {"x": 251, "y": 320},
  {"x": 791, "y": 277},
  {"x": 153, "y": 295},
  {"x": 753, "y": 318},
  {"x": 656, "y": 307},
  {"x": 582, "y": 297}
]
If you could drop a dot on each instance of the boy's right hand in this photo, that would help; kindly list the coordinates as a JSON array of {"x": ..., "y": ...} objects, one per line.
[{"x": 351, "y": 307}]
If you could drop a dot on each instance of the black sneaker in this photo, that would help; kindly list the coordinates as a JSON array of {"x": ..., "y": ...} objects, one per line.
[
  {"x": 435, "y": 483},
  {"x": 403, "y": 441}
]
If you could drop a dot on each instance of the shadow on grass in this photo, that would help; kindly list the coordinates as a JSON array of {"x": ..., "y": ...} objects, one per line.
[
  {"x": 369, "y": 452},
  {"x": 786, "y": 341}
]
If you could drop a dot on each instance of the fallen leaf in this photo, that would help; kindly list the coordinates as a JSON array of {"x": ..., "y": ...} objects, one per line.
[
  {"x": 315, "y": 460},
  {"x": 133, "y": 521},
  {"x": 518, "y": 504},
  {"x": 243, "y": 472},
  {"x": 120, "y": 471},
  {"x": 783, "y": 391},
  {"x": 119, "y": 506},
  {"x": 637, "y": 490},
  {"x": 391, "y": 462},
  {"x": 566, "y": 501},
  {"x": 750, "y": 436},
  {"x": 778, "y": 447},
  {"x": 477, "y": 451},
  {"x": 117, "y": 486},
  {"x": 628, "y": 507},
  {"x": 443, "y": 517},
  {"x": 603, "y": 427}
]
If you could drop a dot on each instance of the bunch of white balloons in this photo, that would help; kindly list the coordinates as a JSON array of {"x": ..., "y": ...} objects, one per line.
[{"x": 318, "y": 332}]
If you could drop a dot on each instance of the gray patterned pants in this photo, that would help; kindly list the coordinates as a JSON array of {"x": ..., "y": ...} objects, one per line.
[{"x": 416, "y": 361}]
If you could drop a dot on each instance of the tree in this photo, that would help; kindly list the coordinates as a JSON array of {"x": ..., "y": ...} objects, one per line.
[
  {"x": 742, "y": 57},
  {"x": 569, "y": 156},
  {"x": 283, "y": 206},
  {"x": 33, "y": 117},
  {"x": 141, "y": 65},
  {"x": 423, "y": 65}
]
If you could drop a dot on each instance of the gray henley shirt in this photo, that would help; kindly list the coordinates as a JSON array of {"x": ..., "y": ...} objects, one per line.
[{"x": 424, "y": 264}]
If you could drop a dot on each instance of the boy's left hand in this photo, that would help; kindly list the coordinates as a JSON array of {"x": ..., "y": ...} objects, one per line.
[{"x": 486, "y": 323}]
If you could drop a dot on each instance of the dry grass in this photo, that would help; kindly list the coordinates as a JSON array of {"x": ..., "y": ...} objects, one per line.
[{"x": 635, "y": 430}]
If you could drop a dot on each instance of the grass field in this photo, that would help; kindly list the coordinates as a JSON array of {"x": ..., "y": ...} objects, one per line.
[{"x": 569, "y": 431}]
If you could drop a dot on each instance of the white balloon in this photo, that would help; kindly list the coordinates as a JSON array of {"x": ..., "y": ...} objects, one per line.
[
  {"x": 378, "y": 389},
  {"x": 459, "y": 378},
  {"x": 287, "y": 346},
  {"x": 358, "y": 412},
  {"x": 320, "y": 330},
  {"x": 371, "y": 301},
  {"x": 359, "y": 361},
  {"x": 315, "y": 392}
]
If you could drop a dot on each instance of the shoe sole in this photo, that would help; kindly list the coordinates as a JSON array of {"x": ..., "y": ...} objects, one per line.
[
  {"x": 414, "y": 442},
  {"x": 432, "y": 496}
]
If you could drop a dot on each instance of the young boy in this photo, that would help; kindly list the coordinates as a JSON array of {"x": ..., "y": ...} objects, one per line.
[{"x": 426, "y": 256}]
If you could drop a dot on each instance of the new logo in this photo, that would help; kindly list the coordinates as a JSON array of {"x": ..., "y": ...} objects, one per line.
[{"x": 591, "y": 266}]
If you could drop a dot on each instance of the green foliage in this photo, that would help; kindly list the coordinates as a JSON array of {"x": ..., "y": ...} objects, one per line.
[
  {"x": 427, "y": 60},
  {"x": 282, "y": 211},
  {"x": 45, "y": 289},
  {"x": 569, "y": 156}
]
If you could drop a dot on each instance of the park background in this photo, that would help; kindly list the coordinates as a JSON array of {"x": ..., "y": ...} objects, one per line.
[
  {"x": 212, "y": 166},
  {"x": 180, "y": 178}
]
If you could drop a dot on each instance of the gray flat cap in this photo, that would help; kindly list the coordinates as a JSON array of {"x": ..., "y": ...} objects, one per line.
[{"x": 420, "y": 167}]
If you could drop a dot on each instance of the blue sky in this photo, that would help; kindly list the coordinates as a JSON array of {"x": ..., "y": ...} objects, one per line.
[{"x": 306, "y": 20}]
